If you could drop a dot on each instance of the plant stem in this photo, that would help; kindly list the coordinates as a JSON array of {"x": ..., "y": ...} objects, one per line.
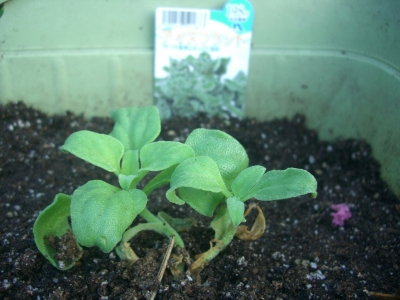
[
  {"x": 124, "y": 250},
  {"x": 154, "y": 224},
  {"x": 149, "y": 217},
  {"x": 224, "y": 233},
  {"x": 219, "y": 245}
]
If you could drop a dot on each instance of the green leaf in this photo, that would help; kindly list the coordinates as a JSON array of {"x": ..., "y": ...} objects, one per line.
[
  {"x": 53, "y": 220},
  {"x": 125, "y": 181},
  {"x": 199, "y": 173},
  {"x": 283, "y": 184},
  {"x": 130, "y": 162},
  {"x": 100, "y": 150},
  {"x": 129, "y": 169},
  {"x": 221, "y": 223},
  {"x": 100, "y": 213},
  {"x": 243, "y": 183},
  {"x": 236, "y": 210},
  {"x": 136, "y": 127},
  {"x": 222, "y": 66},
  {"x": 204, "y": 202},
  {"x": 226, "y": 151},
  {"x": 158, "y": 156}
]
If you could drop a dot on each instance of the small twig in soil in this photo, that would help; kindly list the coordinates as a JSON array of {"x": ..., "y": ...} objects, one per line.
[
  {"x": 164, "y": 265},
  {"x": 384, "y": 296}
]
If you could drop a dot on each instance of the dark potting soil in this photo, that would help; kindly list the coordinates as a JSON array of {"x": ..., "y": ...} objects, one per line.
[{"x": 302, "y": 255}]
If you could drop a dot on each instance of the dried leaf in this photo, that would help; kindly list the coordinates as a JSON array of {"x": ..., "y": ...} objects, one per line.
[
  {"x": 258, "y": 227},
  {"x": 201, "y": 259},
  {"x": 125, "y": 252},
  {"x": 175, "y": 270}
]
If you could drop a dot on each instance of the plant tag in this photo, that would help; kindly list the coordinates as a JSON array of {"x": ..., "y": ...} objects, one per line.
[{"x": 202, "y": 59}]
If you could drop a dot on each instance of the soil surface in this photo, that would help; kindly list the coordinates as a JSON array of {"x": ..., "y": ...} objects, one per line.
[{"x": 302, "y": 255}]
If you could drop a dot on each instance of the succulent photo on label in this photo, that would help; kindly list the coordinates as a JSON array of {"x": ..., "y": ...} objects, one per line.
[
  {"x": 196, "y": 85},
  {"x": 202, "y": 59}
]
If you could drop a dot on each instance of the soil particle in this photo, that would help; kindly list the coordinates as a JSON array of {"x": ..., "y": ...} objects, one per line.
[
  {"x": 302, "y": 255},
  {"x": 66, "y": 249}
]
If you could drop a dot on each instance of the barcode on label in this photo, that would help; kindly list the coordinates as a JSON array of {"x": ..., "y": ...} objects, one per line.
[{"x": 184, "y": 18}]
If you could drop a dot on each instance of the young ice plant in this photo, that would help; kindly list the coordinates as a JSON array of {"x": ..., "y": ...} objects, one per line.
[
  {"x": 100, "y": 213},
  {"x": 218, "y": 178},
  {"x": 209, "y": 172}
]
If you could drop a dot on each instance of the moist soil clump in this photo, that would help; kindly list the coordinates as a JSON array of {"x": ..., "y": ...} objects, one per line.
[
  {"x": 301, "y": 255},
  {"x": 66, "y": 249}
]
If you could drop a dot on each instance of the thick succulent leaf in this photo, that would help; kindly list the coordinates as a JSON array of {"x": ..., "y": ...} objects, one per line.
[
  {"x": 130, "y": 163},
  {"x": 200, "y": 173},
  {"x": 236, "y": 210},
  {"x": 283, "y": 184},
  {"x": 100, "y": 150},
  {"x": 244, "y": 182},
  {"x": 226, "y": 151},
  {"x": 159, "y": 156},
  {"x": 125, "y": 181},
  {"x": 221, "y": 223},
  {"x": 53, "y": 220},
  {"x": 204, "y": 202},
  {"x": 136, "y": 127},
  {"x": 100, "y": 213},
  {"x": 129, "y": 169}
]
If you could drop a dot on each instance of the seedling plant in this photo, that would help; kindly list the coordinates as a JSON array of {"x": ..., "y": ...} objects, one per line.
[
  {"x": 195, "y": 85},
  {"x": 209, "y": 172}
]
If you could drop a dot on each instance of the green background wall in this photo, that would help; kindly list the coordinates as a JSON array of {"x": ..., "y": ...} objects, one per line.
[{"x": 337, "y": 62}]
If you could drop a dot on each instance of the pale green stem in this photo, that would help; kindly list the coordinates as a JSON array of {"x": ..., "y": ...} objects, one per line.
[
  {"x": 226, "y": 193},
  {"x": 160, "y": 227},
  {"x": 149, "y": 217},
  {"x": 155, "y": 224},
  {"x": 124, "y": 250},
  {"x": 220, "y": 244},
  {"x": 137, "y": 179},
  {"x": 224, "y": 233}
]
